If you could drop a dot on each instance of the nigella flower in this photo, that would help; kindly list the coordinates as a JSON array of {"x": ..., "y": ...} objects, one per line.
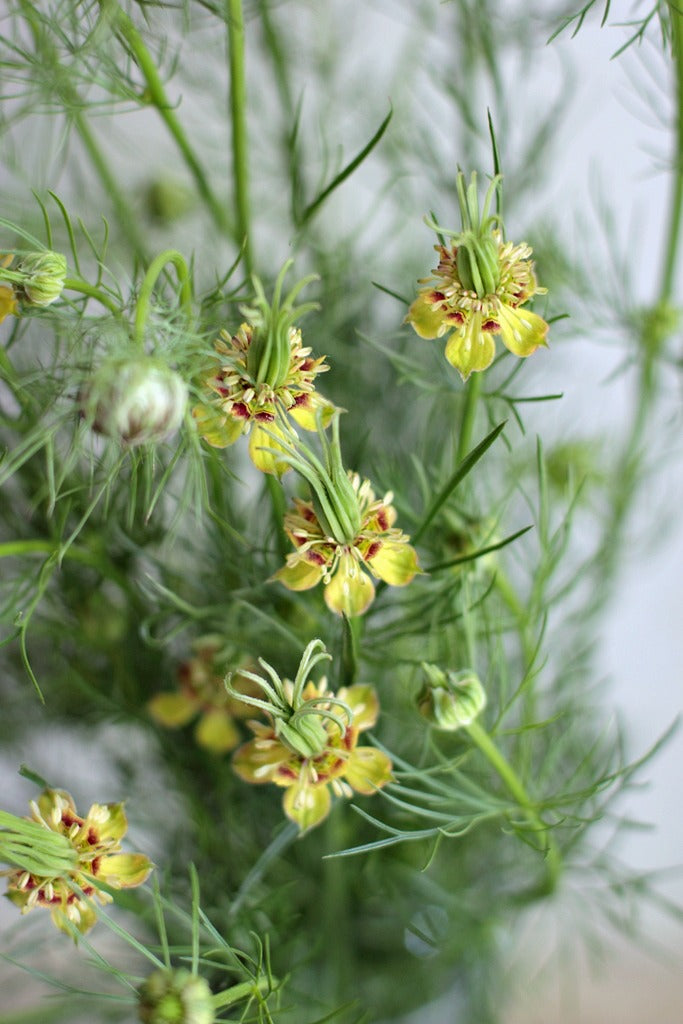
[
  {"x": 477, "y": 290},
  {"x": 347, "y": 565},
  {"x": 263, "y": 370},
  {"x": 343, "y": 535},
  {"x": 310, "y": 746},
  {"x": 95, "y": 842},
  {"x": 202, "y": 695}
]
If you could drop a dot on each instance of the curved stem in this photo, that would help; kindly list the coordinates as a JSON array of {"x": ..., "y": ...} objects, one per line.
[
  {"x": 76, "y": 285},
  {"x": 238, "y": 110},
  {"x": 158, "y": 98},
  {"x": 147, "y": 288},
  {"x": 553, "y": 857}
]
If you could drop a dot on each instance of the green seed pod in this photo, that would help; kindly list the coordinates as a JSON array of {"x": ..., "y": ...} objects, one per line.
[
  {"x": 304, "y": 735},
  {"x": 42, "y": 276},
  {"x": 175, "y": 997},
  {"x": 477, "y": 264},
  {"x": 450, "y": 700},
  {"x": 134, "y": 401}
]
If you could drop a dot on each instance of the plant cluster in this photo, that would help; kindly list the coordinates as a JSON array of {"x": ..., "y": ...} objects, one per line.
[{"x": 191, "y": 529}]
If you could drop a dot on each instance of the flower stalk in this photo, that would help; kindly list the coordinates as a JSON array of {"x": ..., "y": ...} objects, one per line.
[
  {"x": 153, "y": 273},
  {"x": 238, "y": 111}
]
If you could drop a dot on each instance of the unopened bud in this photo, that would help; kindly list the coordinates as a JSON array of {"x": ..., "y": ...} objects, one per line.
[
  {"x": 42, "y": 276},
  {"x": 451, "y": 700},
  {"x": 304, "y": 735},
  {"x": 478, "y": 265},
  {"x": 175, "y": 997},
  {"x": 135, "y": 401}
]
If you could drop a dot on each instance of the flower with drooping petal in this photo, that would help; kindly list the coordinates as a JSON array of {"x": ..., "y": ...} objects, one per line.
[
  {"x": 477, "y": 290},
  {"x": 264, "y": 370},
  {"x": 96, "y": 843},
  {"x": 347, "y": 565},
  {"x": 310, "y": 746},
  {"x": 202, "y": 693}
]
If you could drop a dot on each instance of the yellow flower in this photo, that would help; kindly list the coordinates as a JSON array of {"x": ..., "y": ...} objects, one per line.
[
  {"x": 310, "y": 747},
  {"x": 477, "y": 290},
  {"x": 243, "y": 405},
  {"x": 377, "y": 549},
  {"x": 95, "y": 841},
  {"x": 202, "y": 692},
  {"x": 264, "y": 372}
]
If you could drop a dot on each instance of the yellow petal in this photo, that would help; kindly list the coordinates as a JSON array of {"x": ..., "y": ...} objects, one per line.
[
  {"x": 395, "y": 563},
  {"x": 217, "y": 732},
  {"x": 367, "y": 770},
  {"x": 217, "y": 429},
  {"x": 258, "y": 760},
  {"x": 301, "y": 576},
  {"x": 304, "y": 412},
  {"x": 307, "y": 805},
  {"x": 263, "y": 451},
  {"x": 470, "y": 349},
  {"x": 81, "y": 915},
  {"x": 8, "y": 302},
  {"x": 108, "y": 821},
  {"x": 124, "y": 870},
  {"x": 364, "y": 704},
  {"x": 425, "y": 321},
  {"x": 350, "y": 591},
  {"x": 172, "y": 709},
  {"x": 522, "y": 331}
]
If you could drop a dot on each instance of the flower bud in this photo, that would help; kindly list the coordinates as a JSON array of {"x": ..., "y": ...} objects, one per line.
[
  {"x": 477, "y": 264},
  {"x": 175, "y": 997},
  {"x": 135, "y": 401},
  {"x": 304, "y": 735},
  {"x": 42, "y": 276},
  {"x": 451, "y": 700}
]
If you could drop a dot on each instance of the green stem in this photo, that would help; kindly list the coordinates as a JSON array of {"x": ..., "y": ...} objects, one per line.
[
  {"x": 238, "y": 110},
  {"x": 147, "y": 289},
  {"x": 76, "y": 285},
  {"x": 675, "y": 218},
  {"x": 245, "y": 990},
  {"x": 158, "y": 98},
  {"x": 553, "y": 857},
  {"x": 472, "y": 392}
]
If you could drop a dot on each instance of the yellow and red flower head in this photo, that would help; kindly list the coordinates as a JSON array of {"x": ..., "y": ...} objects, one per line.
[
  {"x": 377, "y": 549},
  {"x": 310, "y": 745},
  {"x": 95, "y": 842},
  {"x": 264, "y": 371},
  {"x": 201, "y": 693},
  {"x": 477, "y": 290}
]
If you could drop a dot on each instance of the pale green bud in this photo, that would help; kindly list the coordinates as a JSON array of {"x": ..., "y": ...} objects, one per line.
[
  {"x": 168, "y": 200},
  {"x": 304, "y": 735},
  {"x": 42, "y": 276},
  {"x": 478, "y": 266},
  {"x": 175, "y": 997},
  {"x": 451, "y": 700},
  {"x": 135, "y": 401}
]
